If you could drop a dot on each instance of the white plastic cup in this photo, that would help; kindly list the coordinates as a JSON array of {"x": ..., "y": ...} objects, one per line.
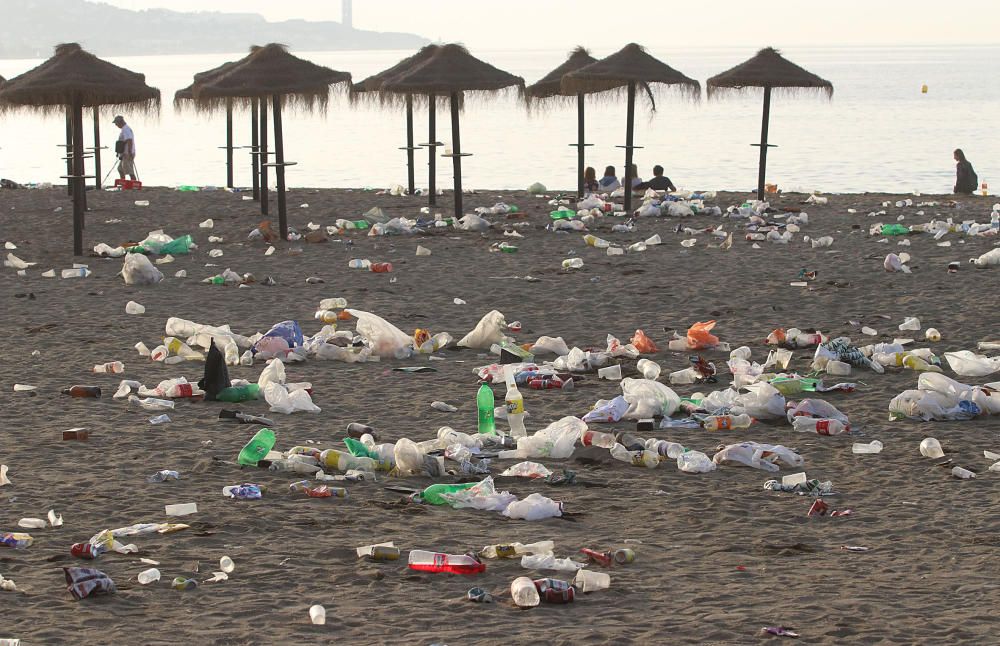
[
  {"x": 317, "y": 614},
  {"x": 649, "y": 369},
  {"x": 226, "y": 565},
  {"x": 149, "y": 576},
  {"x": 931, "y": 448},
  {"x": 589, "y": 581},
  {"x": 838, "y": 368},
  {"x": 613, "y": 373}
]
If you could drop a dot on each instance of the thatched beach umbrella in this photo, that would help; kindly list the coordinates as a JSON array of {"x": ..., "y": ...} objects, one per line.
[
  {"x": 768, "y": 70},
  {"x": 71, "y": 80},
  {"x": 452, "y": 71},
  {"x": 626, "y": 69},
  {"x": 550, "y": 87},
  {"x": 370, "y": 90},
  {"x": 271, "y": 71}
]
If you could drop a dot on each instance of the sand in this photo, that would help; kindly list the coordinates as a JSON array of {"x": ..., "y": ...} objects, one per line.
[{"x": 718, "y": 556}]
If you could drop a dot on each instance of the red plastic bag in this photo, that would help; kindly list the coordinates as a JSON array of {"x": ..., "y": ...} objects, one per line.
[
  {"x": 643, "y": 343},
  {"x": 699, "y": 337}
]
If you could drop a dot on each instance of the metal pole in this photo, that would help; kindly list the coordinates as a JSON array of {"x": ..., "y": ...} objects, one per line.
[
  {"x": 263, "y": 157},
  {"x": 456, "y": 154},
  {"x": 77, "y": 182},
  {"x": 279, "y": 160},
  {"x": 69, "y": 149},
  {"x": 432, "y": 150},
  {"x": 255, "y": 150},
  {"x": 98, "y": 184},
  {"x": 763, "y": 143},
  {"x": 629, "y": 136},
  {"x": 579, "y": 145},
  {"x": 411, "y": 183},
  {"x": 229, "y": 144}
]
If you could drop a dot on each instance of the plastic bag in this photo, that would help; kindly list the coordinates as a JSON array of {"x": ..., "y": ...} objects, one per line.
[
  {"x": 762, "y": 400},
  {"x": 527, "y": 470},
  {"x": 607, "y": 411},
  {"x": 557, "y": 440},
  {"x": 648, "y": 398},
  {"x": 488, "y": 331},
  {"x": 969, "y": 364},
  {"x": 555, "y": 345},
  {"x": 282, "y": 401},
  {"x": 817, "y": 408},
  {"x": 699, "y": 338},
  {"x": 277, "y": 341},
  {"x": 534, "y": 507},
  {"x": 274, "y": 373},
  {"x": 483, "y": 496},
  {"x": 758, "y": 456},
  {"x": 138, "y": 270},
  {"x": 385, "y": 339},
  {"x": 643, "y": 343},
  {"x": 695, "y": 462},
  {"x": 473, "y": 222}
]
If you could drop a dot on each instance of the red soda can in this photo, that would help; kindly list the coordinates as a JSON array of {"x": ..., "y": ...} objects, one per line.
[
  {"x": 604, "y": 558},
  {"x": 84, "y": 551},
  {"x": 555, "y": 590},
  {"x": 381, "y": 267},
  {"x": 819, "y": 508}
]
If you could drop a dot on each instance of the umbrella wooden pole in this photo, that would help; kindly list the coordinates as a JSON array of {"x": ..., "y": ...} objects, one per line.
[
  {"x": 629, "y": 137},
  {"x": 279, "y": 165},
  {"x": 579, "y": 144},
  {"x": 229, "y": 144},
  {"x": 762, "y": 169},
  {"x": 77, "y": 180},
  {"x": 263, "y": 158},
  {"x": 432, "y": 150},
  {"x": 456, "y": 154},
  {"x": 410, "y": 180},
  {"x": 97, "y": 151},
  {"x": 255, "y": 150}
]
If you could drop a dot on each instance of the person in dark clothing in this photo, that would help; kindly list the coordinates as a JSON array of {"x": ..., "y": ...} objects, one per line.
[
  {"x": 658, "y": 183},
  {"x": 590, "y": 184},
  {"x": 966, "y": 180}
]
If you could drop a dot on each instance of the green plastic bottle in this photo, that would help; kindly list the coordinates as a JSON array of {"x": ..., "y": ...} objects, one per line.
[
  {"x": 485, "y": 403},
  {"x": 432, "y": 494},
  {"x": 562, "y": 214},
  {"x": 257, "y": 447},
  {"x": 895, "y": 229},
  {"x": 235, "y": 394},
  {"x": 361, "y": 224}
]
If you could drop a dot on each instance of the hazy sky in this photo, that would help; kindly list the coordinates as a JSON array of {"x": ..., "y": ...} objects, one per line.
[{"x": 656, "y": 23}]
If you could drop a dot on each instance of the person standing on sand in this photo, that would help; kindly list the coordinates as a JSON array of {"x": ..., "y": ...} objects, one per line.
[
  {"x": 966, "y": 180},
  {"x": 125, "y": 147}
]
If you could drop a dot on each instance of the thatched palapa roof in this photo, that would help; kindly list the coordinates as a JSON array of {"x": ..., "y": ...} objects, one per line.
[
  {"x": 768, "y": 69},
  {"x": 550, "y": 85},
  {"x": 370, "y": 88},
  {"x": 452, "y": 69},
  {"x": 186, "y": 95},
  {"x": 631, "y": 64},
  {"x": 269, "y": 71},
  {"x": 73, "y": 74}
]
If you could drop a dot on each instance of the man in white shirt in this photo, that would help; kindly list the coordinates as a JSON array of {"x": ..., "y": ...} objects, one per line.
[{"x": 125, "y": 149}]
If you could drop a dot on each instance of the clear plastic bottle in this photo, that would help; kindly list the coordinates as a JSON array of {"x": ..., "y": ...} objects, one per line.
[
  {"x": 665, "y": 448},
  {"x": 727, "y": 422},
  {"x": 110, "y": 368},
  {"x": 819, "y": 426},
  {"x": 515, "y": 406},
  {"x": 644, "y": 458},
  {"x": 597, "y": 438},
  {"x": 424, "y": 561},
  {"x": 514, "y": 550},
  {"x": 148, "y": 576},
  {"x": 524, "y": 593}
]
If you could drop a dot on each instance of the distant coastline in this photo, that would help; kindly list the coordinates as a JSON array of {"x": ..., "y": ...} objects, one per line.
[{"x": 99, "y": 28}]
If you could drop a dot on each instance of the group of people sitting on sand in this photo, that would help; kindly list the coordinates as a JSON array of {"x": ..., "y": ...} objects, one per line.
[{"x": 610, "y": 182}]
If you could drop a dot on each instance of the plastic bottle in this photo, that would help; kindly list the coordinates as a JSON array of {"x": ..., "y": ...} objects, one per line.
[
  {"x": 258, "y": 447},
  {"x": 524, "y": 593},
  {"x": 866, "y": 449},
  {"x": 594, "y": 241},
  {"x": 514, "y": 550},
  {"x": 111, "y": 368},
  {"x": 727, "y": 422},
  {"x": 326, "y": 316},
  {"x": 439, "y": 562},
  {"x": 644, "y": 458},
  {"x": 962, "y": 473},
  {"x": 148, "y": 576},
  {"x": 818, "y": 426},
  {"x": 597, "y": 438},
  {"x": 572, "y": 263},
  {"x": 665, "y": 448},
  {"x": 342, "y": 461},
  {"x": 515, "y": 405},
  {"x": 180, "y": 391},
  {"x": 630, "y": 442},
  {"x": 76, "y": 272},
  {"x": 359, "y": 263},
  {"x": 235, "y": 394},
  {"x": 485, "y": 403},
  {"x": 83, "y": 391},
  {"x": 434, "y": 494}
]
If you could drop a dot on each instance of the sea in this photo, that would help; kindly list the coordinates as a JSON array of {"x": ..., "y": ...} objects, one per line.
[{"x": 881, "y": 132}]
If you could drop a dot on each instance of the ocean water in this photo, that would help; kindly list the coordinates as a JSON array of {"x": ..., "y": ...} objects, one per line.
[{"x": 879, "y": 133}]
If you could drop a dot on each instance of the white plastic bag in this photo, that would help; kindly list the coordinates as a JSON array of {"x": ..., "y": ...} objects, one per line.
[
  {"x": 385, "y": 339},
  {"x": 534, "y": 507},
  {"x": 473, "y": 222},
  {"x": 762, "y": 401},
  {"x": 488, "y": 331},
  {"x": 555, "y": 345},
  {"x": 648, "y": 398},
  {"x": 758, "y": 456},
  {"x": 969, "y": 364},
  {"x": 138, "y": 270},
  {"x": 282, "y": 401},
  {"x": 483, "y": 496},
  {"x": 695, "y": 462},
  {"x": 274, "y": 373},
  {"x": 557, "y": 440}
]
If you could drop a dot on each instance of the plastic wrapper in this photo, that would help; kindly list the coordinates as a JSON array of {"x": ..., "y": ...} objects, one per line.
[
  {"x": 138, "y": 270},
  {"x": 648, "y": 398},
  {"x": 534, "y": 507},
  {"x": 385, "y": 339},
  {"x": 759, "y": 456},
  {"x": 283, "y": 401},
  {"x": 490, "y": 330}
]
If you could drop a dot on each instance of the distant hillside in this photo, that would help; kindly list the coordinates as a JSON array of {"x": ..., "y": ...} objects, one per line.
[{"x": 30, "y": 28}]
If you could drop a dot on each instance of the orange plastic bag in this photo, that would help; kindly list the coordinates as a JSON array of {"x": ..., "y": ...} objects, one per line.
[
  {"x": 643, "y": 343},
  {"x": 699, "y": 337}
]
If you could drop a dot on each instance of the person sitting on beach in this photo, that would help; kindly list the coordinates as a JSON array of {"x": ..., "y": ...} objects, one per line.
[
  {"x": 966, "y": 180},
  {"x": 125, "y": 147},
  {"x": 609, "y": 183},
  {"x": 590, "y": 184},
  {"x": 636, "y": 180},
  {"x": 658, "y": 183}
]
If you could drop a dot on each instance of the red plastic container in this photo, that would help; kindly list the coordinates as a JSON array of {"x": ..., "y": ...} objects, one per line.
[{"x": 128, "y": 184}]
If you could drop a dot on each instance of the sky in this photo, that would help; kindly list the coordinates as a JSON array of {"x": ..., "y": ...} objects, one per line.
[{"x": 656, "y": 23}]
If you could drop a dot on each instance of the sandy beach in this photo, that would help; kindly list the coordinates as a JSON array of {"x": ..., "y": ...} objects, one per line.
[{"x": 718, "y": 556}]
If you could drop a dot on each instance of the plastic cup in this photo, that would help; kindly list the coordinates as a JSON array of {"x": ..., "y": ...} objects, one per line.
[
  {"x": 589, "y": 581},
  {"x": 149, "y": 576},
  {"x": 611, "y": 372},
  {"x": 838, "y": 368},
  {"x": 931, "y": 448},
  {"x": 317, "y": 614},
  {"x": 226, "y": 565}
]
